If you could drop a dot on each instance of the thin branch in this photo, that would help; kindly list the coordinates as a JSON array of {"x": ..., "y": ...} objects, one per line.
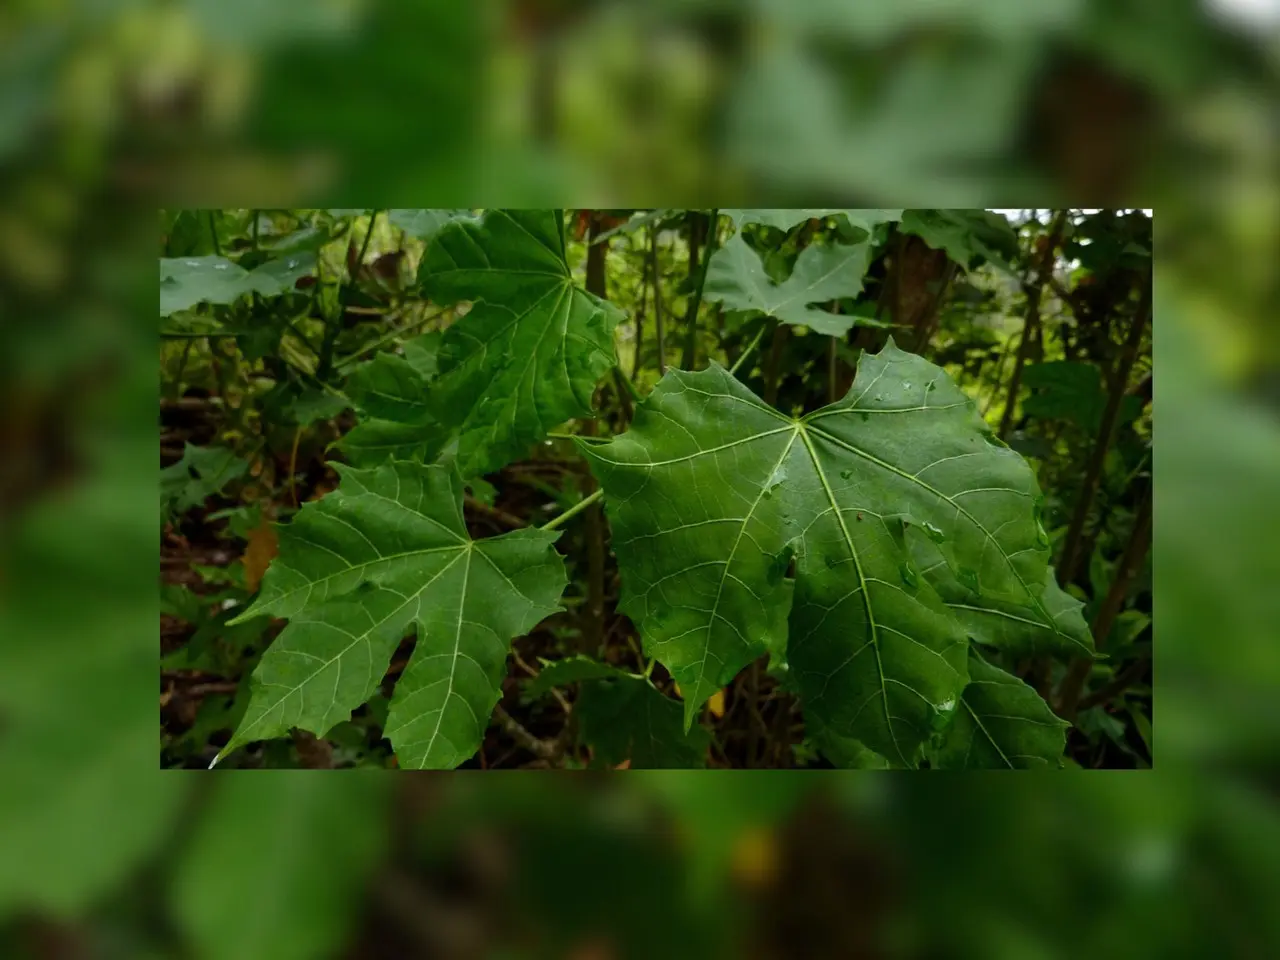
[{"x": 1069, "y": 561}]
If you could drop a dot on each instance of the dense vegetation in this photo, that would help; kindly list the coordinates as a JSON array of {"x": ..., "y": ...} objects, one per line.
[{"x": 639, "y": 488}]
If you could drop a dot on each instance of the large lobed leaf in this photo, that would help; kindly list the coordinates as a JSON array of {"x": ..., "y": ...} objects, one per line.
[
  {"x": 386, "y": 553},
  {"x": 524, "y": 359},
  {"x": 712, "y": 494}
]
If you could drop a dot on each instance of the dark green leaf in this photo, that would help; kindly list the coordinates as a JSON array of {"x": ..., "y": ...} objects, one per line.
[
  {"x": 561, "y": 673},
  {"x": 711, "y": 492},
  {"x": 1001, "y": 723},
  {"x": 628, "y": 719}
]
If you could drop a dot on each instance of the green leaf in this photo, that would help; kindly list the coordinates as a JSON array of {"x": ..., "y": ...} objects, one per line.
[
  {"x": 712, "y": 494},
  {"x": 784, "y": 220},
  {"x": 526, "y": 358},
  {"x": 1001, "y": 723},
  {"x": 966, "y": 235},
  {"x": 845, "y": 753},
  {"x": 186, "y": 281},
  {"x": 277, "y": 864},
  {"x": 627, "y": 718},
  {"x": 386, "y": 553},
  {"x": 561, "y": 673},
  {"x": 736, "y": 277},
  {"x": 425, "y": 224},
  {"x": 201, "y": 473}
]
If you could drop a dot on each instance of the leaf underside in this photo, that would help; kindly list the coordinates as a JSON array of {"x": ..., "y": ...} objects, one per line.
[
  {"x": 712, "y": 494},
  {"x": 385, "y": 554}
]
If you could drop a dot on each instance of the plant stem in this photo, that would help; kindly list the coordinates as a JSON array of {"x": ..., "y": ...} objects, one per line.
[
  {"x": 1134, "y": 554},
  {"x": 1069, "y": 562},
  {"x": 755, "y": 342},
  {"x": 333, "y": 327},
  {"x": 657, "y": 300},
  {"x": 690, "y": 359},
  {"x": 213, "y": 233},
  {"x": 543, "y": 749},
  {"x": 1029, "y": 328},
  {"x": 573, "y": 511}
]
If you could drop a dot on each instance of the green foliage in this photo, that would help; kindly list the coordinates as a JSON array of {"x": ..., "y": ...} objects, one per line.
[
  {"x": 707, "y": 517},
  {"x": 1002, "y": 722},
  {"x": 737, "y": 278},
  {"x": 525, "y": 358},
  {"x": 625, "y": 719},
  {"x": 865, "y": 546},
  {"x": 386, "y": 553},
  {"x": 201, "y": 473},
  {"x": 968, "y": 236},
  {"x": 187, "y": 281}
]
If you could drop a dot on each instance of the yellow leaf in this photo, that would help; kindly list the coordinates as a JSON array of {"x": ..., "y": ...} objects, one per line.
[
  {"x": 262, "y": 548},
  {"x": 716, "y": 704}
]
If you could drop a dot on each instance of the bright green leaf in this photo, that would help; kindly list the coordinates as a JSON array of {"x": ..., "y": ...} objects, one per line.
[{"x": 384, "y": 554}]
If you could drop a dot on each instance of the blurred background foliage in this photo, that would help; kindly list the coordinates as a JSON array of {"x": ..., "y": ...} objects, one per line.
[{"x": 110, "y": 109}]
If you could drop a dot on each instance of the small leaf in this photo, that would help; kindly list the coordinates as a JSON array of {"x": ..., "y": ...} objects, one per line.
[{"x": 737, "y": 278}]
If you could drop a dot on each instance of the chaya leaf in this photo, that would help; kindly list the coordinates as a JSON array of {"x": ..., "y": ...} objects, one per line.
[
  {"x": 737, "y": 278},
  {"x": 186, "y": 281},
  {"x": 386, "y": 553},
  {"x": 784, "y": 220},
  {"x": 529, "y": 353},
  {"x": 627, "y": 719},
  {"x": 1001, "y": 722},
  {"x": 525, "y": 358},
  {"x": 712, "y": 492}
]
